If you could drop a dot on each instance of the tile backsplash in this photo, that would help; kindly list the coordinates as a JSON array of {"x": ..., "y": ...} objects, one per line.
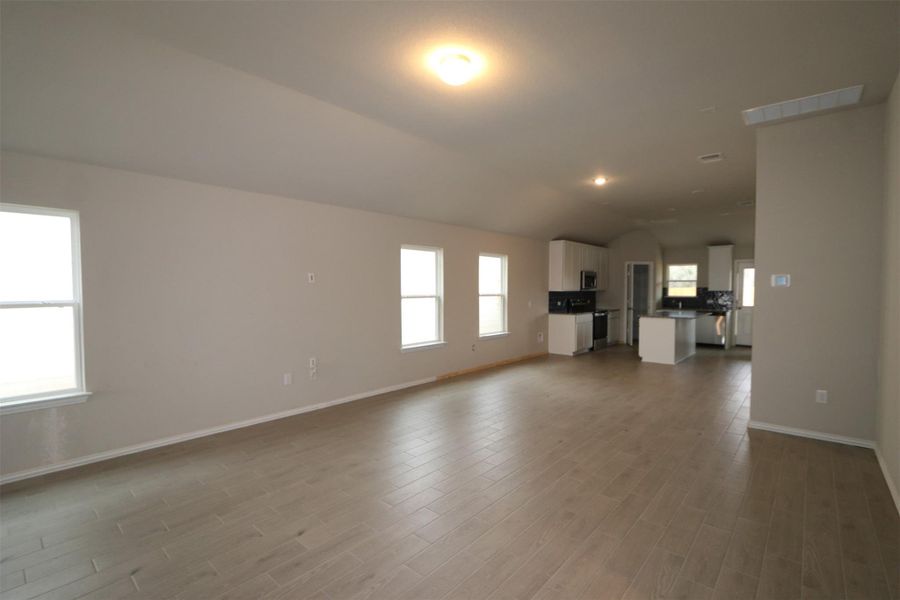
[
  {"x": 561, "y": 302},
  {"x": 713, "y": 300}
]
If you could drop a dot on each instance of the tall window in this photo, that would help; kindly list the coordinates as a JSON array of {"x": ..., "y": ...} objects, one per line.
[
  {"x": 421, "y": 295},
  {"x": 40, "y": 304},
  {"x": 491, "y": 294},
  {"x": 682, "y": 280}
]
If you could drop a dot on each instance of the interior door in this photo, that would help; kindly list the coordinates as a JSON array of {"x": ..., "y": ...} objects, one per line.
[
  {"x": 745, "y": 296},
  {"x": 629, "y": 304},
  {"x": 640, "y": 296}
]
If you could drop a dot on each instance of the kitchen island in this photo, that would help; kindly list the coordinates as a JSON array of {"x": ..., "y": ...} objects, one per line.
[{"x": 668, "y": 337}]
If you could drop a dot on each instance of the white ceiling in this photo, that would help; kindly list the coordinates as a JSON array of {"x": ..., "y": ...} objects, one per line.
[{"x": 330, "y": 102}]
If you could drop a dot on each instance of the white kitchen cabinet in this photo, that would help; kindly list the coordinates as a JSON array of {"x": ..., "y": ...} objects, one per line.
[
  {"x": 570, "y": 334},
  {"x": 721, "y": 259},
  {"x": 567, "y": 261},
  {"x": 613, "y": 323},
  {"x": 584, "y": 328},
  {"x": 602, "y": 268}
]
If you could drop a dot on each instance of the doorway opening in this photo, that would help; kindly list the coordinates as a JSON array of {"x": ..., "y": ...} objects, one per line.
[{"x": 638, "y": 297}]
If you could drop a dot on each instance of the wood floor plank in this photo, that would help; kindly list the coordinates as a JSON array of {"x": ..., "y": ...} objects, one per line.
[
  {"x": 747, "y": 547},
  {"x": 591, "y": 477},
  {"x": 679, "y": 535},
  {"x": 780, "y": 580},
  {"x": 705, "y": 558},
  {"x": 656, "y": 577},
  {"x": 734, "y": 585}
]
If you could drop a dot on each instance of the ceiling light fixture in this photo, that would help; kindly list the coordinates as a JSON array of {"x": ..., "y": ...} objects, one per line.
[
  {"x": 600, "y": 180},
  {"x": 455, "y": 66}
]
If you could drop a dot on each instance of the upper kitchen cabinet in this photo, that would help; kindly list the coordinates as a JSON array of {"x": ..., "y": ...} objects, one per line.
[
  {"x": 721, "y": 259},
  {"x": 569, "y": 259}
]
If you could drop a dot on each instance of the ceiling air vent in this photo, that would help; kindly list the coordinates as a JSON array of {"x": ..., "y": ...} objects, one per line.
[
  {"x": 803, "y": 106},
  {"x": 709, "y": 158}
]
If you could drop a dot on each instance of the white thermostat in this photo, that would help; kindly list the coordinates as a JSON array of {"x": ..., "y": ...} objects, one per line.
[{"x": 781, "y": 280}]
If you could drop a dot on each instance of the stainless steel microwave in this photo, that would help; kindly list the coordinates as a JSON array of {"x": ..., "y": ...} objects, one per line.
[{"x": 589, "y": 280}]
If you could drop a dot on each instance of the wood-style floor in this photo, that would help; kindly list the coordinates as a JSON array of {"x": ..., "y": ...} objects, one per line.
[{"x": 593, "y": 477}]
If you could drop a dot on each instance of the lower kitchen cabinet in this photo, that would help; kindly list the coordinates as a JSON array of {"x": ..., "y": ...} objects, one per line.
[
  {"x": 570, "y": 334},
  {"x": 612, "y": 328}
]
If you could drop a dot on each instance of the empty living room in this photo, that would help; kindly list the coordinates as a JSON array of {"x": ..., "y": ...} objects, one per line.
[{"x": 444, "y": 300}]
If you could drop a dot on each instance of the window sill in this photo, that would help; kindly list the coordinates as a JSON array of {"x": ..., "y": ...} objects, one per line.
[
  {"x": 489, "y": 336},
  {"x": 426, "y": 346},
  {"x": 17, "y": 406}
]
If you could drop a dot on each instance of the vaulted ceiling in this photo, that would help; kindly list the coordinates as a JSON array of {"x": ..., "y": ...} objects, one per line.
[{"x": 330, "y": 102}]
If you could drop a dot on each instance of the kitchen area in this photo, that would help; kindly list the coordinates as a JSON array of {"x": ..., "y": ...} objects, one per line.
[
  {"x": 666, "y": 328},
  {"x": 577, "y": 324}
]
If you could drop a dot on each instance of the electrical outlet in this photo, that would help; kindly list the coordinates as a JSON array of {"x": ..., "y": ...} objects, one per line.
[
  {"x": 313, "y": 363},
  {"x": 313, "y": 373},
  {"x": 822, "y": 396},
  {"x": 540, "y": 336},
  {"x": 288, "y": 379},
  {"x": 311, "y": 277},
  {"x": 473, "y": 347}
]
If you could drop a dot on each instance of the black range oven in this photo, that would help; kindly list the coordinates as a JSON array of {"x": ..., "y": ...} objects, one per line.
[{"x": 601, "y": 328}]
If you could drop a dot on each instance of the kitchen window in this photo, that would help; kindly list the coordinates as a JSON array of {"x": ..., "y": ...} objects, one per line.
[
  {"x": 421, "y": 297},
  {"x": 491, "y": 294},
  {"x": 681, "y": 280},
  {"x": 41, "y": 362}
]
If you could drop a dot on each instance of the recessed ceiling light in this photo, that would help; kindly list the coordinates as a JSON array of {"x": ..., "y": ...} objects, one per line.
[
  {"x": 600, "y": 180},
  {"x": 673, "y": 209},
  {"x": 455, "y": 66},
  {"x": 697, "y": 191}
]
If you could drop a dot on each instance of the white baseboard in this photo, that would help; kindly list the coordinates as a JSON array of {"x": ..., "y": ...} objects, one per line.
[
  {"x": 100, "y": 456},
  {"x": 807, "y": 433},
  {"x": 892, "y": 485}
]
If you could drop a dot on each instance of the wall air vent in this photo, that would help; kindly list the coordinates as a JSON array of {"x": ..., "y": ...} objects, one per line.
[
  {"x": 709, "y": 158},
  {"x": 803, "y": 106}
]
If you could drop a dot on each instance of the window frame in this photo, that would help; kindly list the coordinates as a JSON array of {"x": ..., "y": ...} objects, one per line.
[
  {"x": 503, "y": 295},
  {"x": 439, "y": 298},
  {"x": 79, "y": 393},
  {"x": 695, "y": 281}
]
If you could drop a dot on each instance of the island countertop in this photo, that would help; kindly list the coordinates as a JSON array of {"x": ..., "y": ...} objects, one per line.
[{"x": 676, "y": 314}]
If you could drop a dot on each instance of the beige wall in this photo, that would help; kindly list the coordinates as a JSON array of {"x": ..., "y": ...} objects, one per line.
[
  {"x": 819, "y": 218},
  {"x": 887, "y": 430},
  {"x": 700, "y": 256},
  {"x": 196, "y": 303},
  {"x": 636, "y": 245}
]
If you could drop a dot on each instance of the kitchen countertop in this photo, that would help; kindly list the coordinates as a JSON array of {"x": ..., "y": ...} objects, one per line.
[{"x": 676, "y": 314}]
